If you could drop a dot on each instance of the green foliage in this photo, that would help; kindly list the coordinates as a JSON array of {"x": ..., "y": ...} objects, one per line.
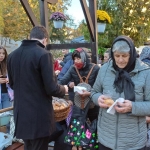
[
  {"x": 129, "y": 17},
  {"x": 17, "y": 24},
  {"x": 1, "y": 17},
  {"x": 56, "y": 53},
  {"x": 104, "y": 41},
  {"x": 66, "y": 33},
  {"x": 58, "y": 35},
  {"x": 84, "y": 30},
  {"x": 101, "y": 50}
]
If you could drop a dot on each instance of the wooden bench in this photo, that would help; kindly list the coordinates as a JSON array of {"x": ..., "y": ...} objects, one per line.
[{"x": 16, "y": 146}]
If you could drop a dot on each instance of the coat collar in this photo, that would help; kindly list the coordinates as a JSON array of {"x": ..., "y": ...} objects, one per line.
[{"x": 32, "y": 42}]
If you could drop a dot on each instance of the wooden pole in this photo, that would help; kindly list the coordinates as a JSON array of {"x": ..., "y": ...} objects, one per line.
[
  {"x": 88, "y": 18},
  {"x": 42, "y": 12},
  {"x": 94, "y": 44},
  {"x": 29, "y": 12}
]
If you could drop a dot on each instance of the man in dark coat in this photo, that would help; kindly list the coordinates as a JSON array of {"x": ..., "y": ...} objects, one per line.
[{"x": 31, "y": 75}]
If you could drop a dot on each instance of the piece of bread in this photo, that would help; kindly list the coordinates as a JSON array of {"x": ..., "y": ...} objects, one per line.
[{"x": 108, "y": 102}]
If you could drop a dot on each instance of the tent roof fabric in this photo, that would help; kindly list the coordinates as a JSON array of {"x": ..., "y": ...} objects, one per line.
[{"x": 79, "y": 39}]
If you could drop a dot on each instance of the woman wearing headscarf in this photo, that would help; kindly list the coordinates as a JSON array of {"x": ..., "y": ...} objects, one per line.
[
  {"x": 125, "y": 76},
  {"x": 83, "y": 65}
]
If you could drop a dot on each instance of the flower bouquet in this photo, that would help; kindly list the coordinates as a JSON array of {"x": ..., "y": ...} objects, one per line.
[
  {"x": 102, "y": 19},
  {"x": 102, "y": 16},
  {"x": 58, "y": 18}
]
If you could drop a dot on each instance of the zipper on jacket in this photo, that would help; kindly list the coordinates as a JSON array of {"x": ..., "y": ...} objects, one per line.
[
  {"x": 116, "y": 130},
  {"x": 138, "y": 125},
  {"x": 100, "y": 116}
]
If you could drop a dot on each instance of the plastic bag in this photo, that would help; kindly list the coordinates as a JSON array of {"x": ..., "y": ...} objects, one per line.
[
  {"x": 5, "y": 140},
  {"x": 12, "y": 130}
]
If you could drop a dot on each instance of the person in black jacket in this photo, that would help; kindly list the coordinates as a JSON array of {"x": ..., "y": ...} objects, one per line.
[
  {"x": 83, "y": 64},
  {"x": 31, "y": 76}
]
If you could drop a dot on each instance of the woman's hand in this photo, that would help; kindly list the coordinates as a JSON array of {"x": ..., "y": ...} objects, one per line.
[
  {"x": 7, "y": 80},
  {"x": 3, "y": 80},
  {"x": 71, "y": 84},
  {"x": 66, "y": 89},
  {"x": 84, "y": 93},
  {"x": 147, "y": 119},
  {"x": 101, "y": 100},
  {"x": 57, "y": 72},
  {"x": 70, "y": 102},
  {"x": 124, "y": 107}
]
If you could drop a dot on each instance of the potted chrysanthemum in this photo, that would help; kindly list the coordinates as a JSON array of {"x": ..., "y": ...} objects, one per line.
[
  {"x": 58, "y": 19},
  {"x": 102, "y": 19}
]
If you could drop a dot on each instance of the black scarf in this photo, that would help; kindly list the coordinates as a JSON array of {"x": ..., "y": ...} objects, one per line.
[{"x": 123, "y": 82}]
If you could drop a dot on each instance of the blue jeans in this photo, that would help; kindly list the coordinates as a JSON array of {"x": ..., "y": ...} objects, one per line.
[{"x": 5, "y": 101}]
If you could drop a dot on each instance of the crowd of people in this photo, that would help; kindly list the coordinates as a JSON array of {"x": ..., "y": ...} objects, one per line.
[{"x": 31, "y": 77}]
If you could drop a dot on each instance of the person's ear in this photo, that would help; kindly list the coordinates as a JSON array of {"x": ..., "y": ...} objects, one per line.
[{"x": 44, "y": 42}]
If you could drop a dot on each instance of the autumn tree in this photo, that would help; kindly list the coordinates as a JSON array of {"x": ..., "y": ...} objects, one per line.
[
  {"x": 67, "y": 32},
  {"x": 129, "y": 17},
  {"x": 17, "y": 25},
  {"x": 1, "y": 17}
]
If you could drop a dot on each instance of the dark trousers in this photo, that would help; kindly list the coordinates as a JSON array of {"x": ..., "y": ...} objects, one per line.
[
  {"x": 93, "y": 113},
  {"x": 102, "y": 147},
  {"x": 36, "y": 144},
  {"x": 59, "y": 142}
]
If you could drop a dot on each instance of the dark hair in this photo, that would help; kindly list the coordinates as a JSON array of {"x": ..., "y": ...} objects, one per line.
[
  {"x": 76, "y": 54},
  {"x": 39, "y": 32},
  {"x": 84, "y": 57},
  {"x": 3, "y": 65}
]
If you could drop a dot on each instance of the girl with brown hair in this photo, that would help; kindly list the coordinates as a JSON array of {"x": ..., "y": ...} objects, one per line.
[{"x": 5, "y": 91}]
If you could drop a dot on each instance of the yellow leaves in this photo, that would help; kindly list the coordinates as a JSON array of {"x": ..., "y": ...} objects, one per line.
[
  {"x": 16, "y": 21},
  {"x": 102, "y": 16},
  {"x": 1, "y": 19},
  {"x": 1, "y": 24}
]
